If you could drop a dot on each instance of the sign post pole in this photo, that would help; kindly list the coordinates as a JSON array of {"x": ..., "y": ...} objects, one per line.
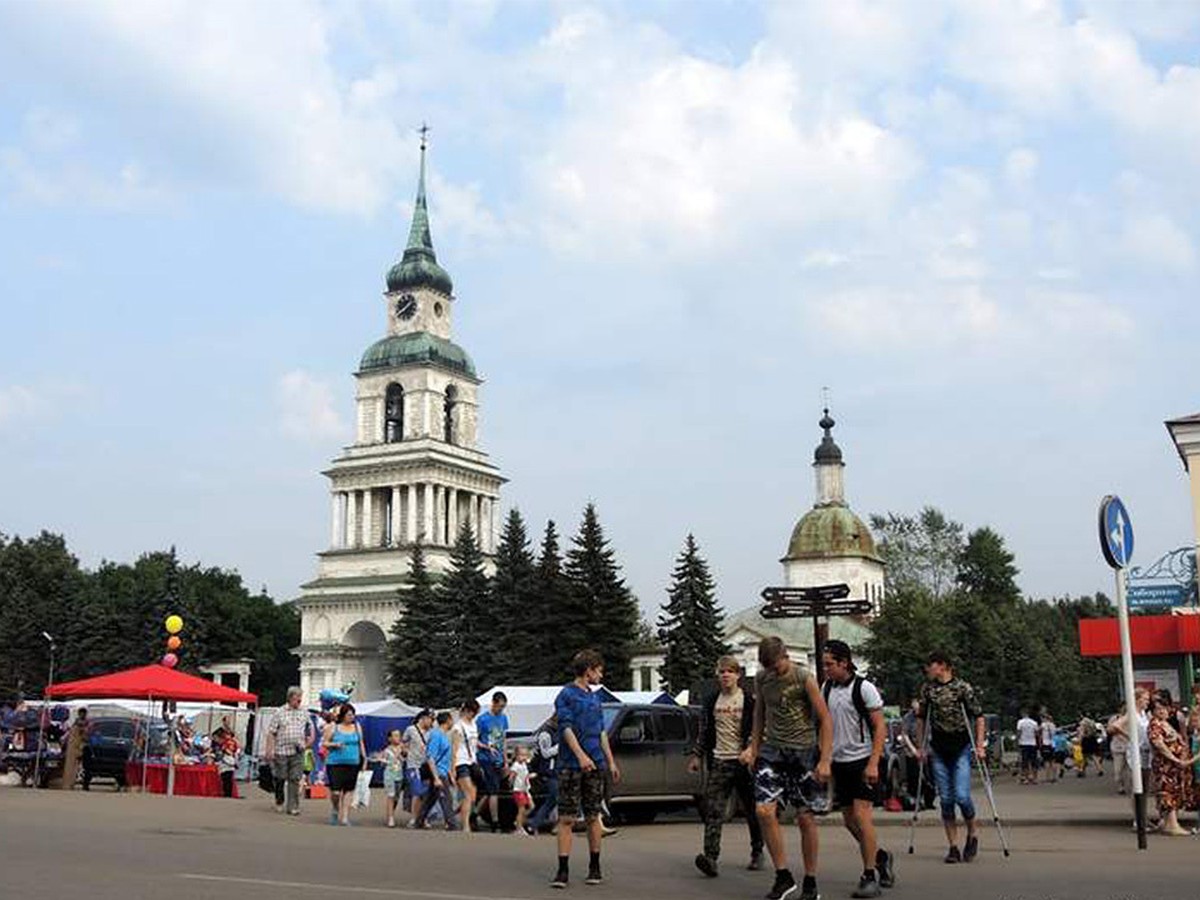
[{"x": 1116, "y": 542}]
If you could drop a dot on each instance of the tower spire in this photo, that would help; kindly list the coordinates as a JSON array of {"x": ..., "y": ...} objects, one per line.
[{"x": 419, "y": 266}]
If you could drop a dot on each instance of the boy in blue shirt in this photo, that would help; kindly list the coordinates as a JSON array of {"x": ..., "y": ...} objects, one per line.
[
  {"x": 437, "y": 764},
  {"x": 583, "y": 756},
  {"x": 493, "y": 735}
]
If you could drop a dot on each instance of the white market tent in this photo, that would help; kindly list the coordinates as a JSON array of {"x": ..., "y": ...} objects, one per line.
[{"x": 531, "y": 705}]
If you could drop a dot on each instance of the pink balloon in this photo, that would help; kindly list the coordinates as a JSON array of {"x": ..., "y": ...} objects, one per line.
[{"x": 170, "y": 660}]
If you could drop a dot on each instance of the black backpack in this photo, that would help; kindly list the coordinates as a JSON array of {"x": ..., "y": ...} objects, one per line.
[{"x": 856, "y": 695}]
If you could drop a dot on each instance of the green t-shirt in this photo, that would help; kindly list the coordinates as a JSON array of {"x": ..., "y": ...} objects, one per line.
[{"x": 787, "y": 713}]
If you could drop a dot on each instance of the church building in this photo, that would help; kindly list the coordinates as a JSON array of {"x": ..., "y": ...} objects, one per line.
[{"x": 415, "y": 472}]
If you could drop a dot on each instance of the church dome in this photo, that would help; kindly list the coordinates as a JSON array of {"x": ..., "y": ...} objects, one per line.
[
  {"x": 419, "y": 268},
  {"x": 831, "y": 532},
  {"x": 416, "y": 347}
]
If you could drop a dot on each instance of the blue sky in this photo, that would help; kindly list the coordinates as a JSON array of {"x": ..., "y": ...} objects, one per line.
[{"x": 669, "y": 226}]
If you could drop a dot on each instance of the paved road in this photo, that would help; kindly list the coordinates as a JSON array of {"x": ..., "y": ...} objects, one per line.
[{"x": 104, "y": 846}]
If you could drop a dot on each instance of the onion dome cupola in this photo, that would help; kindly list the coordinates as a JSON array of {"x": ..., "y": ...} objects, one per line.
[
  {"x": 419, "y": 266},
  {"x": 828, "y": 452}
]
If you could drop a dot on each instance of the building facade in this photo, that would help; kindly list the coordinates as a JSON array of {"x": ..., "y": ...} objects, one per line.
[{"x": 415, "y": 472}]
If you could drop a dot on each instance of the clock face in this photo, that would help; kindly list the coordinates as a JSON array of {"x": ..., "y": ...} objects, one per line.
[{"x": 406, "y": 307}]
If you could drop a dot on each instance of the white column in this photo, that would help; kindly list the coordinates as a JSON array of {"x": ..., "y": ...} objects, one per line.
[
  {"x": 493, "y": 509},
  {"x": 351, "y": 519},
  {"x": 477, "y": 521},
  {"x": 369, "y": 539},
  {"x": 429, "y": 513},
  {"x": 334, "y": 509},
  {"x": 485, "y": 523},
  {"x": 451, "y": 515},
  {"x": 410, "y": 531},
  {"x": 397, "y": 518}
]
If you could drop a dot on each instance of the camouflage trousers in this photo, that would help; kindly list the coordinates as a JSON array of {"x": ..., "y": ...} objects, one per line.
[{"x": 726, "y": 777}]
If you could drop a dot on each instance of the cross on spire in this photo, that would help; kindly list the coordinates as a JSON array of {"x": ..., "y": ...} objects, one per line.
[{"x": 424, "y": 132}]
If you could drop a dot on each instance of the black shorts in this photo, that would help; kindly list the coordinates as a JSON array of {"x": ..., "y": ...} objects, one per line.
[
  {"x": 580, "y": 790},
  {"x": 1047, "y": 754},
  {"x": 1029, "y": 756},
  {"x": 850, "y": 783},
  {"x": 491, "y": 777},
  {"x": 464, "y": 771},
  {"x": 342, "y": 778},
  {"x": 1090, "y": 746}
]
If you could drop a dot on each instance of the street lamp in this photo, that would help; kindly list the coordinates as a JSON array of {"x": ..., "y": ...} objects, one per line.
[
  {"x": 1185, "y": 434},
  {"x": 37, "y": 759}
]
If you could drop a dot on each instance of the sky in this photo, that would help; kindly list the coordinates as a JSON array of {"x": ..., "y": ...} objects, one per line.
[{"x": 670, "y": 225}]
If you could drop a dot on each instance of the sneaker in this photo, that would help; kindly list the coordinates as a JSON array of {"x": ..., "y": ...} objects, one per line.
[
  {"x": 607, "y": 831},
  {"x": 809, "y": 890},
  {"x": 755, "y": 863},
  {"x": 885, "y": 865},
  {"x": 333, "y": 818},
  {"x": 279, "y": 808},
  {"x": 867, "y": 887},
  {"x": 293, "y": 812},
  {"x": 784, "y": 886},
  {"x": 970, "y": 848},
  {"x": 952, "y": 855},
  {"x": 593, "y": 876},
  {"x": 560, "y": 880},
  {"x": 707, "y": 865}
]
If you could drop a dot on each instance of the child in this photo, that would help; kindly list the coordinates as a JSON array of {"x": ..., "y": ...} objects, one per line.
[
  {"x": 393, "y": 774},
  {"x": 519, "y": 772}
]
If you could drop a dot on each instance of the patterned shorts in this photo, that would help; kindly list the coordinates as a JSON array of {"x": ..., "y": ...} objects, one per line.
[
  {"x": 785, "y": 776},
  {"x": 580, "y": 790}
]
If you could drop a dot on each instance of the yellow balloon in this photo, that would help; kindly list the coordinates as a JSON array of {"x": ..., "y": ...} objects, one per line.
[{"x": 174, "y": 624}]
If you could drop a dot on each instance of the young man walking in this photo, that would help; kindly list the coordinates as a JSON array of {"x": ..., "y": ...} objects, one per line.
[
  {"x": 584, "y": 755},
  {"x": 725, "y": 725},
  {"x": 856, "y": 710},
  {"x": 492, "y": 757},
  {"x": 438, "y": 756},
  {"x": 790, "y": 747},
  {"x": 944, "y": 698},
  {"x": 1027, "y": 741}
]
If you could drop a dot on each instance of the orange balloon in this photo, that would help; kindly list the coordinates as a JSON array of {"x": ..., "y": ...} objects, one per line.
[{"x": 174, "y": 643}]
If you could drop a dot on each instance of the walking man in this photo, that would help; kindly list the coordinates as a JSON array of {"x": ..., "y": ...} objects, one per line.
[
  {"x": 1046, "y": 746},
  {"x": 290, "y": 733},
  {"x": 545, "y": 754},
  {"x": 856, "y": 710},
  {"x": 725, "y": 725},
  {"x": 438, "y": 755},
  {"x": 416, "y": 775},
  {"x": 584, "y": 754},
  {"x": 1027, "y": 740},
  {"x": 492, "y": 757},
  {"x": 790, "y": 746},
  {"x": 944, "y": 698}
]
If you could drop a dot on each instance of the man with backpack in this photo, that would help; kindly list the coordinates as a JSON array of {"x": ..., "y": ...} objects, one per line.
[
  {"x": 725, "y": 725},
  {"x": 856, "y": 710},
  {"x": 545, "y": 752}
]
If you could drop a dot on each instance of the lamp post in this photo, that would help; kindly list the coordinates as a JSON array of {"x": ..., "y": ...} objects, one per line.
[{"x": 37, "y": 759}]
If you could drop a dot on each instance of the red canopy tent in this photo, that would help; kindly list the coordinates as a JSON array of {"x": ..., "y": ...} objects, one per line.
[
  {"x": 150, "y": 683},
  {"x": 153, "y": 682}
]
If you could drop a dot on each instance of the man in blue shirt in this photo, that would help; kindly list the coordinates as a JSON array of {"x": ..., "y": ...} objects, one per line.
[
  {"x": 492, "y": 756},
  {"x": 583, "y": 756},
  {"x": 437, "y": 764}
]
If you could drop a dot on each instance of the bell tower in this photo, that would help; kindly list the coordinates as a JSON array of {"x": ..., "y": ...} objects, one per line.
[{"x": 414, "y": 473}]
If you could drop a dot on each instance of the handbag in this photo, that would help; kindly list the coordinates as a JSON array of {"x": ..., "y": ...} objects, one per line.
[{"x": 266, "y": 778}]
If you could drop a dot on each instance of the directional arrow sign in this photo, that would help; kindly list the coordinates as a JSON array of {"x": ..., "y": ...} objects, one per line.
[
  {"x": 1116, "y": 532},
  {"x": 823, "y": 592}
]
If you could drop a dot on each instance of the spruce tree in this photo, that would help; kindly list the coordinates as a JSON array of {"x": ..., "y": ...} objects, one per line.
[
  {"x": 601, "y": 600},
  {"x": 513, "y": 599},
  {"x": 556, "y": 632},
  {"x": 690, "y": 626},
  {"x": 465, "y": 593},
  {"x": 420, "y": 650}
]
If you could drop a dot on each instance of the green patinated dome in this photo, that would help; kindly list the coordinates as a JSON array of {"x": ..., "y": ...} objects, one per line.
[
  {"x": 416, "y": 347},
  {"x": 830, "y": 532}
]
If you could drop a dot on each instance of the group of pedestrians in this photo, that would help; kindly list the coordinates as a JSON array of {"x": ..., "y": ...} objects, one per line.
[{"x": 1043, "y": 748}]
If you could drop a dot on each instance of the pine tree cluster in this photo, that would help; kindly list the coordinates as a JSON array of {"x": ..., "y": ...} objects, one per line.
[{"x": 465, "y": 632}]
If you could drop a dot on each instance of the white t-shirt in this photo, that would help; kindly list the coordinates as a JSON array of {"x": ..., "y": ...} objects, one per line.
[
  {"x": 520, "y": 777},
  {"x": 1027, "y": 731},
  {"x": 1048, "y": 730},
  {"x": 468, "y": 743},
  {"x": 851, "y": 738}
]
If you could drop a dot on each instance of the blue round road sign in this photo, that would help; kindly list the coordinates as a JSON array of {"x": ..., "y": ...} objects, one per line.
[{"x": 1116, "y": 532}]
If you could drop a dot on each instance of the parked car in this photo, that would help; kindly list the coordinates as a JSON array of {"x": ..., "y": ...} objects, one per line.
[
  {"x": 110, "y": 744},
  {"x": 653, "y": 744}
]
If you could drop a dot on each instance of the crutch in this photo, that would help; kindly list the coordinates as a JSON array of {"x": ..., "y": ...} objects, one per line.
[
  {"x": 987, "y": 780},
  {"x": 912, "y": 823}
]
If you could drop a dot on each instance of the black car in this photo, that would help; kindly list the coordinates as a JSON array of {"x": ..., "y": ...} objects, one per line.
[{"x": 110, "y": 744}]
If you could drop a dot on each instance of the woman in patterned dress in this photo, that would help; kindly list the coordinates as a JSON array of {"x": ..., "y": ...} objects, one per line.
[{"x": 1172, "y": 767}]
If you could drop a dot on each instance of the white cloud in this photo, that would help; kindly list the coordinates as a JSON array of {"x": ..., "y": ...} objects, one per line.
[
  {"x": 18, "y": 402},
  {"x": 823, "y": 258},
  {"x": 50, "y": 129},
  {"x": 77, "y": 183},
  {"x": 307, "y": 408},
  {"x": 1157, "y": 241},
  {"x": 1020, "y": 165}
]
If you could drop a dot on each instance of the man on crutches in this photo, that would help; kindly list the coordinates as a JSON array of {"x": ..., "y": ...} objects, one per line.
[{"x": 948, "y": 706}]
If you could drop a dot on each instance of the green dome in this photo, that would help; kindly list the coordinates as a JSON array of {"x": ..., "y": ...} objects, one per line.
[
  {"x": 416, "y": 347},
  {"x": 830, "y": 532},
  {"x": 417, "y": 269}
]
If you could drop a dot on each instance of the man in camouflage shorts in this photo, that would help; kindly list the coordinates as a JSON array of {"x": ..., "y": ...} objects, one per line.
[{"x": 792, "y": 745}]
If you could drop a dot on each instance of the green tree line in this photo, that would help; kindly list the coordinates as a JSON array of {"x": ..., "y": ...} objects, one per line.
[
  {"x": 112, "y": 617},
  {"x": 956, "y": 591}
]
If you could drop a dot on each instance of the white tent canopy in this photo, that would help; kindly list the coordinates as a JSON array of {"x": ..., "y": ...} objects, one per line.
[
  {"x": 659, "y": 697},
  {"x": 531, "y": 705},
  {"x": 389, "y": 708}
]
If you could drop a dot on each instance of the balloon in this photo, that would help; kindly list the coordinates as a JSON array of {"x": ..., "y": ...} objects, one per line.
[
  {"x": 174, "y": 624},
  {"x": 170, "y": 660},
  {"x": 174, "y": 643}
]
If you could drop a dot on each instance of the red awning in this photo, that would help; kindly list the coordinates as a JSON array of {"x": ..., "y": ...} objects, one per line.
[
  {"x": 153, "y": 682},
  {"x": 1148, "y": 636}
]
